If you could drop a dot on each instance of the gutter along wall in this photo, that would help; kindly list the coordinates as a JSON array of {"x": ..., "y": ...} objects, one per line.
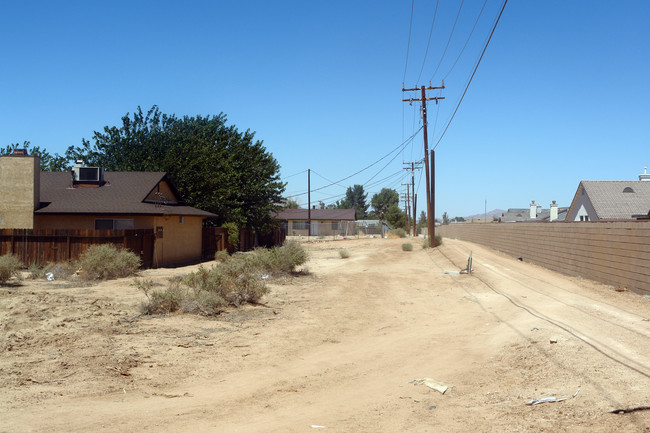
[{"x": 616, "y": 253}]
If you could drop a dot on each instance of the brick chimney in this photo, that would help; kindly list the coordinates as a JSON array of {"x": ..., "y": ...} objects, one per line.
[{"x": 20, "y": 187}]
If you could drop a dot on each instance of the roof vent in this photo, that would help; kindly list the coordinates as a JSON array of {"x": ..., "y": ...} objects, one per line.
[
  {"x": 628, "y": 189},
  {"x": 645, "y": 175}
]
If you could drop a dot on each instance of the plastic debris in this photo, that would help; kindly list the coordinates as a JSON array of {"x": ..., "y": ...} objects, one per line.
[
  {"x": 50, "y": 276},
  {"x": 431, "y": 383},
  {"x": 452, "y": 272},
  {"x": 317, "y": 426},
  {"x": 551, "y": 399},
  {"x": 431, "y": 407}
]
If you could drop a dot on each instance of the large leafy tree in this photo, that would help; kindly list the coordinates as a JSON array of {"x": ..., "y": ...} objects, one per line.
[
  {"x": 355, "y": 198},
  {"x": 383, "y": 201},
  {"x": 49, "y": 162},
  {"x": 215, "y": 166}
]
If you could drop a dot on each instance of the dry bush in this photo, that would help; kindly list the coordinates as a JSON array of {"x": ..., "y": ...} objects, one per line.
[
  {"x": 235, "y": 281},
  {"x": 436, "y": 243},
  {"x": 105, "y": 262},
  {"x": 344, "y": 254},
  {"x": 221, "y": 256},
  {"x": 9, "y": 267},
  {"x": 399, "y": 232},
  {"x": 407, "y": 247}
]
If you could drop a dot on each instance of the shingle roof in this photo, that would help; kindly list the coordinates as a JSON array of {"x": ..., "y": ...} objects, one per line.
[
  {"x": 123, "y": 192},
  {"x": 610, "y": 202},
  {"x": 317, "y": 214}
]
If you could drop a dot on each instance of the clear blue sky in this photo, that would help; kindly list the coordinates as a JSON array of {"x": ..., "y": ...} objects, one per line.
[{"x": 561, "y": 95}]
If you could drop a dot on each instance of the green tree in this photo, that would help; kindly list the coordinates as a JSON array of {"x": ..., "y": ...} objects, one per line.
[
  {"x": 394, "y": 216},
  {"x": 383, "y": 201},
  {"x": 445, "y": 218},
  {"x": 355, "y": 198},
  {"x": 49, "y": 162},
  {"x": 290, "y": 203},
  {"x": 422, "y": 222},
  {"x": 214, "y": 166}
]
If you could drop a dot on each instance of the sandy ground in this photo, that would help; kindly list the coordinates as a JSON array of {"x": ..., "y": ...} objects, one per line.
[{"x": 334, "y": 350}]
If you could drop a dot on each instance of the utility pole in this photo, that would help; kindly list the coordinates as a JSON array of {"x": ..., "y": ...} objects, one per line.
[
  {"x": 308, "y": 203},
  {"x": 414, "y": 197},
  {"x": 430, "y": 218},
  {"x": 407, "y": 200}
]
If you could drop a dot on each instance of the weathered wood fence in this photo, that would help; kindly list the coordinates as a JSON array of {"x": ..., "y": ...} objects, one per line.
[
  {"x": 612, "y": 252},
  {"x": 216, "y": 239},
  {"x": 48, "y": 246}
]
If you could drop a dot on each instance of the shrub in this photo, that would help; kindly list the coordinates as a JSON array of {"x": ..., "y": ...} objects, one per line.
[
  {"x": 233, "y": 234},
  {"x": 36, "y": 271},
  {"x": 237, "y": 280},
  {"x": 221, "y": 256},
  {"x": 105, "y": 262},
  {"x": 399, "y": 232},
  {"x": 407, "y": 247},
  {"x": 9, "y": 266},
  {"x": 345, "y": 254},
  {"x": 437, "y": 242}
]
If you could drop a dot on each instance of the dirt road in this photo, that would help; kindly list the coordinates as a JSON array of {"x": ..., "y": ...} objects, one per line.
[{"x": 334, "y": 350}]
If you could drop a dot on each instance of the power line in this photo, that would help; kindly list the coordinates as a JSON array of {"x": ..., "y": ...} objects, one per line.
[
  {"x": 400, "y": 147},
  {"x": 505, "y": 2},
  {"x": 428, "y": 42},
  {"x": 448, "y": 40},
  {"x": 408, "y": 45},
  {"x": 467, "y": 41},
  {"x": 296, "y": 174}
]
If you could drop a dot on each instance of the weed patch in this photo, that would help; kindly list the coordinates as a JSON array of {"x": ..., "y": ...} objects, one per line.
[
  {"x": 344, "y": 254},
  {"x": 9, "y": 267},
  {"x": 407, "y": 247},
  {"x": 106, "y": 262}
]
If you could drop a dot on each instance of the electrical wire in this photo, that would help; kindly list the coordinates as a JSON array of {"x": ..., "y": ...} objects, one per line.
[
  {"x": 505, "y": 2},
  {"x": 467, "y": 41},
  {"x": 448, "y": 40},
  {"x": 398, "y": 148},
  {"x": 408, "y": 45},
  {"x": 296, "y": 174},
  {"x": 435, "y": 13}
]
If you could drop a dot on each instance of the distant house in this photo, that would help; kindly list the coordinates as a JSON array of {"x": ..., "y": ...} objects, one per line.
[
  {"x": 533, "y": 213},
  {"x": 611, "y": 200},
  {"x": 325, "y": 222},
  {"x": 88, "y": 198}
]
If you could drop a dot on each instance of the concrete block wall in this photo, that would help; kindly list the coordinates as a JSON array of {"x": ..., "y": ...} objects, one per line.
[{"x": 616, "y": 253}]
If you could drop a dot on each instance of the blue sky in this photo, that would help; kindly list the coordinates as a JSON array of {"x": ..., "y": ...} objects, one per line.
[{"x": 561, "y": 94}]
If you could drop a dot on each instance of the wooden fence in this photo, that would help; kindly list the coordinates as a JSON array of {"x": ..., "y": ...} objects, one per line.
[
  {"x": 216, "y": 239},
  {"x": 616, "y": 253},
  {"x": 48, "y": 246}
]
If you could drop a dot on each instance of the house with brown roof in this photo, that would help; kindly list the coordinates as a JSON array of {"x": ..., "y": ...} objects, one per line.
[
  {"x": 324, "y": 222},
  {"x": 611, "y": 200},
  {"x": 90, "y": 198}
]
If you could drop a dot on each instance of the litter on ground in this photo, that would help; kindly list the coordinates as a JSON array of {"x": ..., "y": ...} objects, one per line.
[
  {"x": 433, "y": 384},
  {"x": 551, "y": 399}
]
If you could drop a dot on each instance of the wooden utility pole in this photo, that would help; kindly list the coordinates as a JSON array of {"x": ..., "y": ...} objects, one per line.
[
  {"x": 407, "y": 201},
  {"x": 430, "y": 217},
  {"x": 414, "y": 196},
  {"x": 308, "y": 203}
]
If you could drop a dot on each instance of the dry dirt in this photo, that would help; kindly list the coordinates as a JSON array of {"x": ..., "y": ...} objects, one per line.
[{"x": 334, "y": 350}]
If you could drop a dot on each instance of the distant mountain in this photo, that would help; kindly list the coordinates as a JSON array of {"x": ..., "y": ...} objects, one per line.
[{"x": 491, "y": 214}]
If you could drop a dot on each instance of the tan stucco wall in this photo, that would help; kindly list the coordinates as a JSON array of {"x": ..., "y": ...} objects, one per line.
[
  {"x": 616, "y": 253},
  {"x": 87, "y": 222},
  {"x": 180, "y": 242},
  {"x": 19, "y": 191}
]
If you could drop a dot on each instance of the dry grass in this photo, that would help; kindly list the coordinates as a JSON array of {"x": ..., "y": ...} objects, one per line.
[
  {"x": 105, "y": 262},
  {"x": 236, "y": 280},
  {"x": 9, "y": 267}
]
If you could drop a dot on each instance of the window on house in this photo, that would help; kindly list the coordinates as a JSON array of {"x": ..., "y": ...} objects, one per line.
[
  {"x": 628, "y": 189},
  {"x": 335, "y": 226},
  {"x": 181, "y": 219},
  {"x": 113, "y": 224},
  {"x": 299, "y": 225}
]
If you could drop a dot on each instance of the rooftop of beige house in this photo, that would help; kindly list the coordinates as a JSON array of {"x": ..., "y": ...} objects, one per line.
[{"x": 119, "y": 193}]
